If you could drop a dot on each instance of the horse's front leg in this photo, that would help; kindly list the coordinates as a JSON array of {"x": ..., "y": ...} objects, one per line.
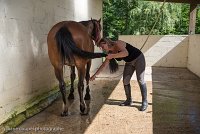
[
  {"x": 87, "y": 77},
  {"x": 72, "y": 77},
  {"x": 81, "y": 75}
]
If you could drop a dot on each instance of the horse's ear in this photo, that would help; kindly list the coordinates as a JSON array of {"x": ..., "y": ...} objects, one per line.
[
  {"x": 91, "y": 18},
  {"x": 99, "y": 20}
]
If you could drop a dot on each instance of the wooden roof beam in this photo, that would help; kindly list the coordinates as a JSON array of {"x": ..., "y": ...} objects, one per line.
[{"x": 179, "y": 1}]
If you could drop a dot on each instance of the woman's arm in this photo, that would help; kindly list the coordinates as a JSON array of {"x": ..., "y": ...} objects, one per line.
[{"x": 105, "y": 63}]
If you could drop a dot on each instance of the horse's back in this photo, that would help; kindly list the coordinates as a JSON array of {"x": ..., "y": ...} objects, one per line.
[{"x": 73, "y": 26}]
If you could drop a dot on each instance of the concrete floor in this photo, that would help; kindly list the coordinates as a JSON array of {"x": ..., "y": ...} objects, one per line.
[{"x": 174, "y": 107}]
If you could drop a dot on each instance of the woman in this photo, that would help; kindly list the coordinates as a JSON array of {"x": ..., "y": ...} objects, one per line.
[{"x": 134, "y": 60}]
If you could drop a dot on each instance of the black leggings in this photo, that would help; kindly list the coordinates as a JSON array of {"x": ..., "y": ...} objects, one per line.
[{"x": 139, "y": 65}]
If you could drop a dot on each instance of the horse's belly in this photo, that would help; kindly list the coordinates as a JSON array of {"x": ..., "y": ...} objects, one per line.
[{"x": 69, "y": 64}]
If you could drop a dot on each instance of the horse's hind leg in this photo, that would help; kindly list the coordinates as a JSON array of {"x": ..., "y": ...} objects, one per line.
[
  {"x": 81, "y": 75},
  {"x": 59, "y": 76},
  {"x": 87, "y": 77},
  {"x": 72, "y": 77}
]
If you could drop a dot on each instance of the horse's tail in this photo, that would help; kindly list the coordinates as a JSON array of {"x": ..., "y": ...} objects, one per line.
[{"x": 67, "y": 47}]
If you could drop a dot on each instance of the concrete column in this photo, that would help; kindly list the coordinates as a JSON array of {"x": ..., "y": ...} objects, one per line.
[{"x": 192, "y": 23}]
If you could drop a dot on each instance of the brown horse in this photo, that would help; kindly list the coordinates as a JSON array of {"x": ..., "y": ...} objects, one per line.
[{"x": 71, "y": 43}]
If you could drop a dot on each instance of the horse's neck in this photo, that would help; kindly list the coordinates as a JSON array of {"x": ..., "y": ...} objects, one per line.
[{"x": 88, "y": 25}]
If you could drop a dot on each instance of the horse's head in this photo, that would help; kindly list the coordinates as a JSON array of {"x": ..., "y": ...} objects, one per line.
[
  {"x": 96, "y": 30},
  {"x": 93, "y": 28}
]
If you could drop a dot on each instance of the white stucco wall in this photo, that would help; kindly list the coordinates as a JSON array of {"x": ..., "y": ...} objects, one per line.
[
  {"x": 25, "y": 70},
  {"x": 164, "y": 51},
  {"x": 194, "y": 54}
]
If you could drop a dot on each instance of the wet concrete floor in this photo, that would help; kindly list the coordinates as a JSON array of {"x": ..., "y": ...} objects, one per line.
[{"x": 174, "y": 107}]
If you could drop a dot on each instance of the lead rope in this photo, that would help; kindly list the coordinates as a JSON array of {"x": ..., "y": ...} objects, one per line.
[{"x": 161, "y": 8}]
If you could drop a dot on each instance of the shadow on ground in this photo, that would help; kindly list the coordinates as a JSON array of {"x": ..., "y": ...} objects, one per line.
[
  {"x": 74, "y": 123},
  {"x": 174, "y": 108}
]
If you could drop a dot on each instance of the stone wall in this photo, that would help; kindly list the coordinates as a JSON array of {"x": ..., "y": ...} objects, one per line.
[
  {"x": 25, "y": 70},
  {"x": 194, "y": 54},
  {"x": 163, "y": 51}
]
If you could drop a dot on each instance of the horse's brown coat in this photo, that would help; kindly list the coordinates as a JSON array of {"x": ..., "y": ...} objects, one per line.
[{"x": 82, "y": 34}]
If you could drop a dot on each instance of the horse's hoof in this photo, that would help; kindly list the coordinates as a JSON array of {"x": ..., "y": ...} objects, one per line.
[
  {"x": 84, "y": 114},
  {"x": 63, "y": 114},
  {"x": 87, "y": 97},
  {"x": 71, "y": 96},
  {"x": 82, "y": 109}
]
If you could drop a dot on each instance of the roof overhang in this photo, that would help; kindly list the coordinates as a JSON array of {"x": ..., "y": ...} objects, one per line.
[{"x": 179, "y": 1}]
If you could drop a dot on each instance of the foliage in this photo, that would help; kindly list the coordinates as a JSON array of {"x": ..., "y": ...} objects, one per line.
[
  {"x": 116, "y": 16},
  {"x": 137, "y": 17}
]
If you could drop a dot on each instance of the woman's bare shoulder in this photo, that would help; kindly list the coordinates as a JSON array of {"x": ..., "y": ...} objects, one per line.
[{"x": 121, "y": 43}]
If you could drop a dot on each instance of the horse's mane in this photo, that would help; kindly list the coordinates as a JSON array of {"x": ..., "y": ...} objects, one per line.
[
  {"x": 94, "y": 33},
  {"x": 85, "y": 23}
]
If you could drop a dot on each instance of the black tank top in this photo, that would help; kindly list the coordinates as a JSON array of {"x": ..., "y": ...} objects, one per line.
[{"x": 133, "y": 53}]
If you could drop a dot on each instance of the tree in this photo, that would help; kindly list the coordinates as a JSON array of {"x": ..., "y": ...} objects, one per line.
[
  {"x": 116, "y": 16},
  {"x": 137, "y": 17}
]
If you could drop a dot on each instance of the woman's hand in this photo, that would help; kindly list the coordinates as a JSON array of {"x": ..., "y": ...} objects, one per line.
[
  {"x": 92, "y": 78},
  {"x": 110, "y": 56}
]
